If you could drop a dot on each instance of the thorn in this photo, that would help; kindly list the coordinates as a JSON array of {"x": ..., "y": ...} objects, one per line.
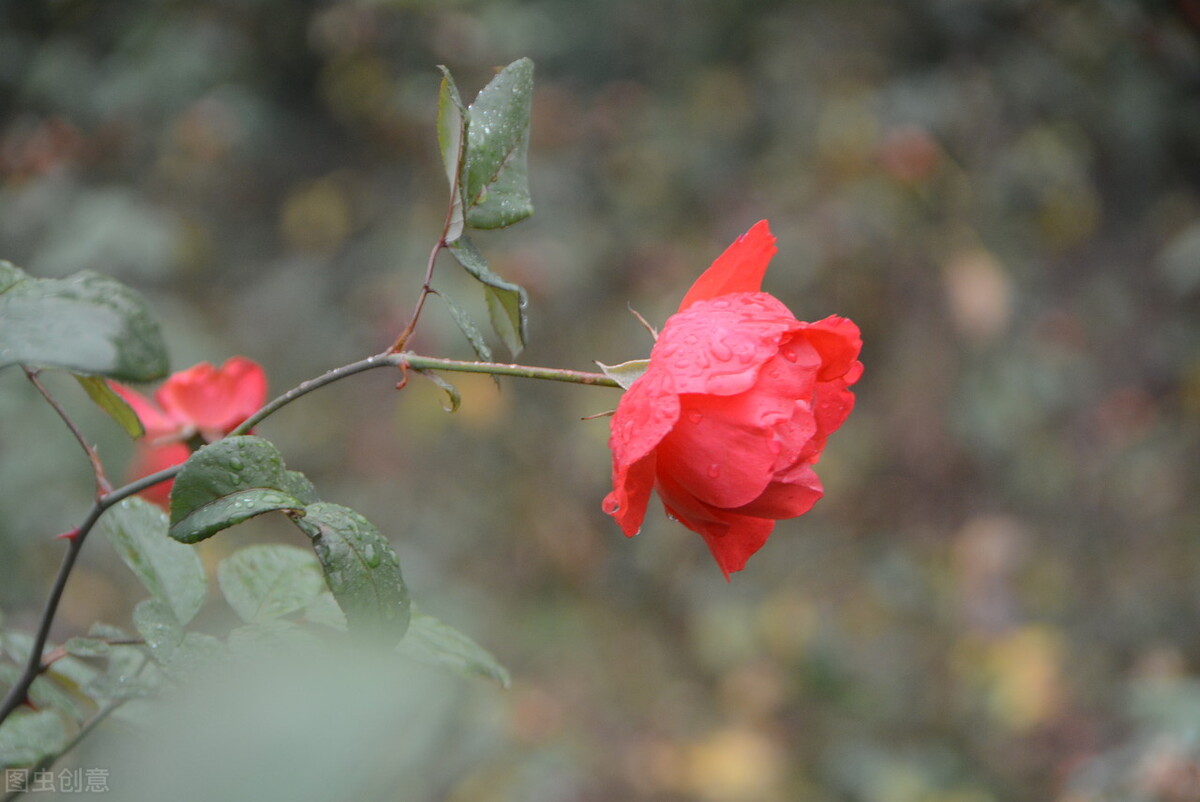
[
  {"x": 71, "y": 535},
  {"x": 653, "y": 331}
]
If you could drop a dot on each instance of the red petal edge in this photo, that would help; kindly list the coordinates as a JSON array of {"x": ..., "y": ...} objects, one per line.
[{"x": 739, "y": 269}]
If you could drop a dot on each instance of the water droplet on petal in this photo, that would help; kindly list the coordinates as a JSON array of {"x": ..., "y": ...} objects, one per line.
[
  {"x": 721, "y": 350},
  {"x": 789, "y": 355},
  {"x": 694, "y": 416},
  {"x": 714, "y": 470}
]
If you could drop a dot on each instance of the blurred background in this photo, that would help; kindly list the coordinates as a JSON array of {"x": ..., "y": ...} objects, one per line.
[{"x": 997, "y": 598}]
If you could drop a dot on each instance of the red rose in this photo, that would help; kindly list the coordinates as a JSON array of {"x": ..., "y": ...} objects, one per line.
[
  {"x": 201, "y": 402},
  {"x": 733, "y": 409}
]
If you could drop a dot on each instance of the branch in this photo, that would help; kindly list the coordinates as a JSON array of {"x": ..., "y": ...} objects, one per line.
[
  {"x": 427, "y": 284},
  {"x": 102, "y": 484},
  {"x": 418, "y": 362},
  {"x": 37, "y": 664}
]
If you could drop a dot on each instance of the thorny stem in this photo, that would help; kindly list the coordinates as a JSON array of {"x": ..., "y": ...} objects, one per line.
[
  {"x": 427, "y": 284},
  {"x": 102, "y": 484},
  {"x": 426, "y": 291},
  {"x": 418, "y": 362},
  {"x": 404, "y": 360}
]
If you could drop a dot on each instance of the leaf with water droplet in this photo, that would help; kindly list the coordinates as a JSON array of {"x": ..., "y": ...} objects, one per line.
[
  {"x": 462, "y": 318},
  {"x": 361, "y": 569},
  {"x": 209, "y": 495},
  {"x": 496, "y": 170},
  {"x": 127, "y": 676},
  {"x": 158, "y": 627},
  {"x": 505, "y": 301},
  {"x": 193, "y": 656},
  {"x": 171, "y": 571},
  {"x": 454, "y": 399},
  {"x": 86, "y": 323},
  {"x": 268, "y": 581},
  {"x": 298, "y": 486},
  {"x": 452, "y": 142}
]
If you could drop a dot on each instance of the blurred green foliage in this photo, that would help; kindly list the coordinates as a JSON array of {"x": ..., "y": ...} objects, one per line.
[{"x": 1005, "y": 195}]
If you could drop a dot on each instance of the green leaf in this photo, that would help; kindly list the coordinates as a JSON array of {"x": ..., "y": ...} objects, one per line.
[
  {"x": 452, "y": 141},
  {"x": 360, "y": 568},
  {"x": 27, "y": 737},
  {"x": 97, "y": 643},
  {"x": 86, "y": 323},
  {"x": 297, "y": 485},
  {"x": 497, "y": 170},
  {"x": 53, "y": 689},
  {"x": 171, "y": 571},
  {"x": 158, "y": 626},
  {"x": 10, "y": 274},
  {"x": 107, "y": 399},
  {"x": 505, "y": 301},
  {"x": 463, "y": 319},
  {"x": 225, "y": 483},
  {"x": 626, "y": 373},
  {"x": 81, "y": 646},
  {"x": 46, "y": 694},
  {"x": 452, "y": 394},
  {"x": 507, "y": 312},
  {"x": 324, "y": 610},
  {"x": 265, "y": 582},
  {"x": 430, "y": 640},
  {"x": 272, "y": 636},
  {"x": 305, "y": 725},
  {"x": 193, "y": 656},
  {"x": 126, "y": 676}
]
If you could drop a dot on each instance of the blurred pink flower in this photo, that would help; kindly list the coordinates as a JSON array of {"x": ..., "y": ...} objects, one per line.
[{"x": 200, "y": 404}]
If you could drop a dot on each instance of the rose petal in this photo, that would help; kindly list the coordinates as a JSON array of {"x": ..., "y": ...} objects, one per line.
[
  {"x": 832, "y": 404},
  {"x": 150, "y": 460},
  {"x": 739, "y": 269},
  {"x": 787, "y": 496},
  {"x": 717, "y": 346},
  {"x": 716, "y": 456},
  {"x": 725, "y": 449},
  {"x": 158, "y": 424},
  {"x": 731, "y": 537},
  {"x": 839, "y": 341},
  {"x": 627, "y": 502},
  {"x": 246, "y": 382},
  {"x": 644, "y": 416},
  {"x": 647, "y": 411},
  {"x": 215, "y": 399}
]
